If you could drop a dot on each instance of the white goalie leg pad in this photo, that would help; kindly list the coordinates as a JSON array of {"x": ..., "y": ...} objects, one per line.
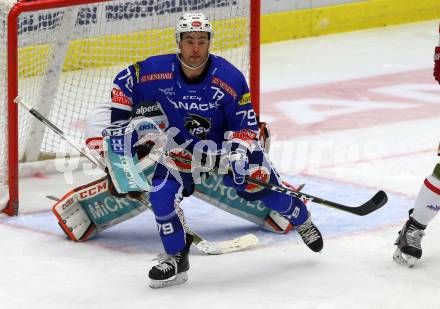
[
  {"x": 277, "y": 223},
  {"x": 91, "y": 209},
  {"x": 73, "y": 219}
]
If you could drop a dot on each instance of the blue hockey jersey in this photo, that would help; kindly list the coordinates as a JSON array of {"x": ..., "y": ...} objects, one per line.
[{"x": 217, "y": 102}]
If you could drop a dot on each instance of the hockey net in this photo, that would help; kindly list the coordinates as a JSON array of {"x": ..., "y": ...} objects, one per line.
[{"x": 61, "y": 58}]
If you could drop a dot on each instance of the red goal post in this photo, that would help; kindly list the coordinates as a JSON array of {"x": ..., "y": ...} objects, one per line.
[{"x": 55, "y": 51}]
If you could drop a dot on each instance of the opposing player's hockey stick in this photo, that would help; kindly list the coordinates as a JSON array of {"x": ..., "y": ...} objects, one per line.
[
  {"x": 208, "y": 247},
  {"x": 376, "y": 202}
]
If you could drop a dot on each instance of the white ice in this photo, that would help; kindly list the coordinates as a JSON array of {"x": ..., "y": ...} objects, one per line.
[{"x": 352, "y": 113}]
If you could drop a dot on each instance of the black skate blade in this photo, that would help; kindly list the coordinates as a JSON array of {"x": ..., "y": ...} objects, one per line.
[{"x": 177, "y": 279}]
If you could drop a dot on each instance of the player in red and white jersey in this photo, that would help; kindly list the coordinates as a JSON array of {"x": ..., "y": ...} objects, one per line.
[{"x": 426, "y": 206}]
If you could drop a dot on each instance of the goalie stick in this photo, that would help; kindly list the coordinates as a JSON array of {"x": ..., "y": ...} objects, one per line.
[{"x": 208, "y": 247}]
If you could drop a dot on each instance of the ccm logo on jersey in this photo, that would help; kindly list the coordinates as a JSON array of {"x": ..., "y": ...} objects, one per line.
[
  {"x": 192, "y": 97},
  {"x": 119, "y": 97},
  {"x": 98, "y": 188}
]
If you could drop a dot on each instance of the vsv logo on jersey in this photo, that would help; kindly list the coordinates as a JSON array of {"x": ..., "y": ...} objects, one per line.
[{"x": 197, "y": 125}]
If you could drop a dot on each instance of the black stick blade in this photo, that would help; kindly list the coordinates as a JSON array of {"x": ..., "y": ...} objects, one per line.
[{"x": 376, "y": 202}]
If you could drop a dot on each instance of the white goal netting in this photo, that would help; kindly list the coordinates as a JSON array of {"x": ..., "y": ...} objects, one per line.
[{"x": 68, "y": 57}]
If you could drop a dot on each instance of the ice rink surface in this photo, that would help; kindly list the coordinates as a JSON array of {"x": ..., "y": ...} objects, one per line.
[{"x": 350, "y": 114}]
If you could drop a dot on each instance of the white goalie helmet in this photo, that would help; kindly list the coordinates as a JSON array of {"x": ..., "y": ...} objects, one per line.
[{"x": 193, "y": 22}]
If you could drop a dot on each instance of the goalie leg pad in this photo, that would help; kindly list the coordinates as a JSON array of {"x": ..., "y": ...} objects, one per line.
[
  {"x": 73, "y": 219},
  {"x": 90, "y": 209},
  {"x": 277, "y": 223}
]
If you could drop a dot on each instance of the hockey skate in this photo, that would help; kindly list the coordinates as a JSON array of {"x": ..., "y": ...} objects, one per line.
[
  {"x": 171, "y": 269},
  {"x": 310, "y": 235},
  {"x": 409, "y": 249}
]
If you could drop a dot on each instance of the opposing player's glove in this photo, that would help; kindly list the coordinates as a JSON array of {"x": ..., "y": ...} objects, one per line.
[
  {"x": 239, "y": 164},
  {"x": 437, "y": 64}
]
